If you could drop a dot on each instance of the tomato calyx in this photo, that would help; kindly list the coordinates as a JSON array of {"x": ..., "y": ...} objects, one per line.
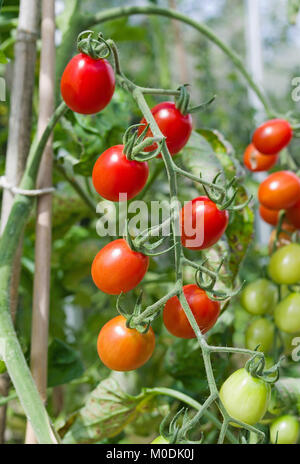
[
  {"x": 182, "y": 101},
  {"x": 130, "y": 318},
  {"x": 135, "y": 144},
  {"x": 206, "y": 278},
  {"x": 255, "y": 366},
  {"x": 175, "y": 429},
  {"x": 93, "y": 44}
]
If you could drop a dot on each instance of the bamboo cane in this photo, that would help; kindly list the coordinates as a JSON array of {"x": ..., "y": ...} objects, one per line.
[
  {"x": 41, "y": 287},
  {"x": 19, "y": 139}
]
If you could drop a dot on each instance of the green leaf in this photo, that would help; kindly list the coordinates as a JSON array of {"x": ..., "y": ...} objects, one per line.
[
  {"x": 64, "y": 363},
  {"x": 3, "y": 58},
  {"x": 107, "y": 411},
  {"x": 180, "y": 361}
]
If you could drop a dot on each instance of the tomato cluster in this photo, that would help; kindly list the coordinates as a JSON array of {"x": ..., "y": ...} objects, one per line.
[
  {"x": 87, "y": 86},
  {"x": 267, "y": 141}
]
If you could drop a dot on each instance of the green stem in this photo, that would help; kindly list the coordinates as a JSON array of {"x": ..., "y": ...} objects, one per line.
[
  {"x": 115, "y": 13},
  {"x": 10, "y": 348},
  {"x": 193, "y": 404}
]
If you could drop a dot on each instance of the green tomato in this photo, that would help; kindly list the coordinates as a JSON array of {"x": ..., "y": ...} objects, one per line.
[
  {"x": 285, "y": 430},
  {"x": 245, "y": 397},
  {"x": 260, "y": 332},
  {"x": 160, "y": 440},
  {"x": 2, "y": 367},
  {"x": 287, "y": 314},
  {"x": 259, "y": 297},
  {"x": 284, "y": 266}
]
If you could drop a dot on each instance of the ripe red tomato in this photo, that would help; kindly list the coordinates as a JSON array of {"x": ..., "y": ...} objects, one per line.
[
  {"x": 293, "y": 215},
  {"x": 256, "y": 161},
  {"x": 174, "y": 125},
  {"x": 87, "y": 84},
  {"x": 117, "y": 268},
  {"x": 205, "y": 311},
  {"x": 202, "y": 223},
  {"x": 269, "y": 215},
  {"x": 123, "y": 349},
  {"x": 272, "y": 136},
  {"x": 280, "y": 190},
  {"x": 113, "y": 174}
]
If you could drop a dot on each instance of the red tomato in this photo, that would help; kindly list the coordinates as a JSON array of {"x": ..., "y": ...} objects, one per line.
[
  {"x": 205, "y": 311},
  {"x": 117, "y": 268},
  {"x": 272, "y": 136},
  {"x": 202, "y": 223},
  {"x": 256, "y": 162},
  {"x": 113, "y": 174},
  {"x": 123, "y": 349},
  {"x": 269, "y": 215},
  {"x": 280, "y": 190},
  {"x": 87, "y": 84},
  {"x": 174, "y": 125},
  {"x": 293, "y": 215}
]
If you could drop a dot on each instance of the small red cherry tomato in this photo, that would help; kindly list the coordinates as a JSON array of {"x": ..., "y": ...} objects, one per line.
[
  {"x": 174, "y": 125},
  {"x": 124, "y": 349},
  {"x": 202, "y": 223},
  {"x": 280, "y": 190},
  {"x": 293, "y": 215},
  {"x": 269, "y": 215},
  {"x": 87, "y": 84},
  {"x": 117, "y": 268},
  {"x": 272, "y": 136},
  {"x": 114, "y": 174},
  {"x": 205, "y": 311},
  {"x": 256, "y": 162}
]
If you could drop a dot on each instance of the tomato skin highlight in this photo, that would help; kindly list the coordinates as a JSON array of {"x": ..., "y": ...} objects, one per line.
[
  {"x": 284, "y": 265},
  {"x": 113, "y": 174},
  {"x": 174, "y": 125},
  {"x": 287, "y": 314},
  {"x": 259, "y": 297},
  {"x": 272, "y": 136},
  {"x": 204, "y": 212},
  {"x": 285, "y": 430},
  {"x": 260, "y": 332},
  {"x": 245, "y": 397},
  {"x": 256, "y": 161},
  {"x": 205, "y": 311},
  {"x": 116, "y": 268},
  {"x": 124, "y": 349},
  {"x": 280, "y": 190},
  {"x": 87, "y": 84}
]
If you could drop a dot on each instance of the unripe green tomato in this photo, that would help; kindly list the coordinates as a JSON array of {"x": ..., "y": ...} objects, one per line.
[
  {"x": 287, "y": 314},
  {"x": 284, "y": 266},
  {"x": 245, "y": 397},
  {"x": 285, "y": 430},
  {"x": 260, "y": 332},
  {"x": 259, "y": 297},
  {"x": 2, "y": 367},
  {"x": 160, "y": 440}
]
